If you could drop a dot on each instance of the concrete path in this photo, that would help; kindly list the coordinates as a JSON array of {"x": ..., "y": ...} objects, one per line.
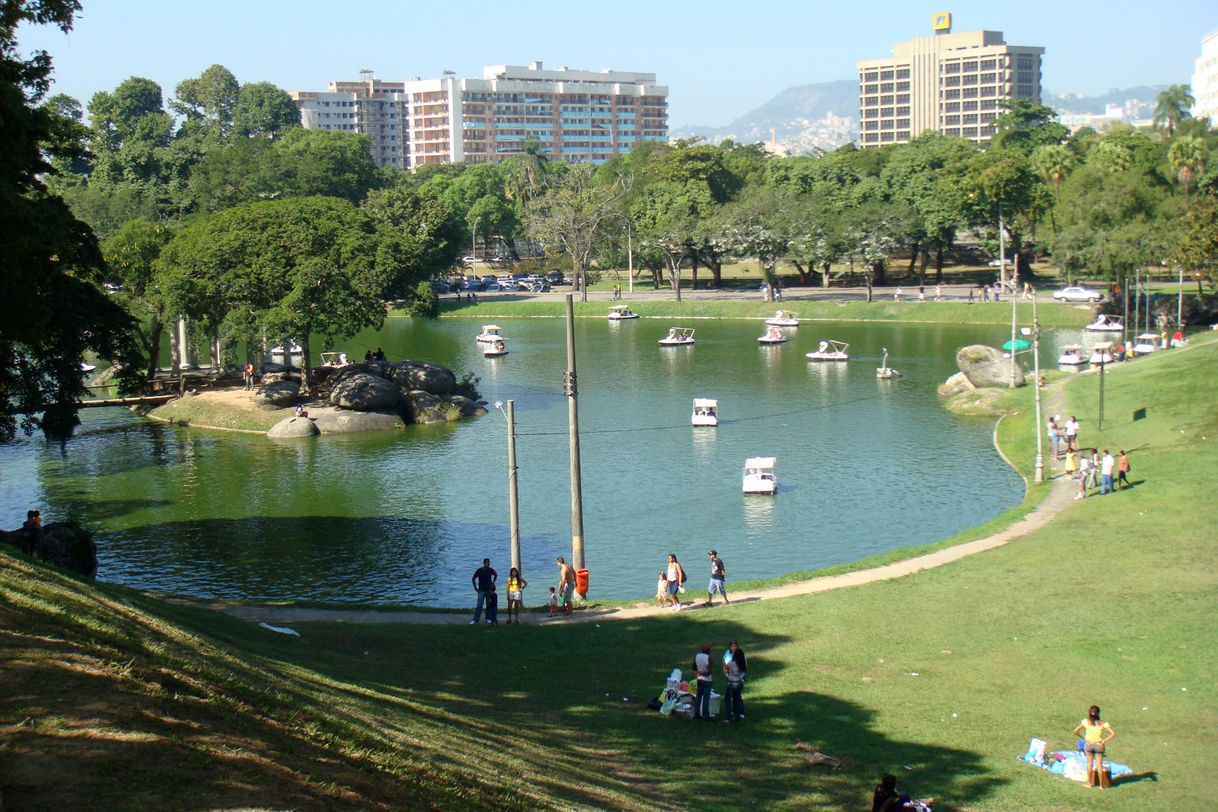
[{"x": 1061, "y": 495}]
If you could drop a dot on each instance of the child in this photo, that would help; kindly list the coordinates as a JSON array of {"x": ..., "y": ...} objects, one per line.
[
  {"x": 553, "y": 602},
  {"x": 662, "y": 590},
  {"x": 516, "y": 585},
  {"x": 492, "y": 607}
]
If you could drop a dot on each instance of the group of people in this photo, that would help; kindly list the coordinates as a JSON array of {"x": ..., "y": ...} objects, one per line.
[
  {"x": 671, "y": 582},
  {"x": 485, "y": 580},
  {"x": 896, "y": 297},
  {"x": 1090, "y": 467},
  {"x": 735, "y": 668},
  {"x": 379, "y": 355},
  {"x": 33, "y": 531},
  {"x": 617, "y": 292}
]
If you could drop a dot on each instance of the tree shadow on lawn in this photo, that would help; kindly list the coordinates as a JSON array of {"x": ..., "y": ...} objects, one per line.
[{"x": 567, "y": 708}]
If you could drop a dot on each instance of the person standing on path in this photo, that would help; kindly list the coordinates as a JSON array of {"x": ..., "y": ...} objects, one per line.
[
  {"x": 1072, "y": 433},
  {"x": 717, "y": 577},
  {"x": 1107, "y": 465},
  {"x": 1096, "y": 733},
  {"x": 515, "y": 586},
  {"x": 735, "y": 667},
  {"x": 1054, "y": 438},
  {"x": 702, "y": 667},
  {"x": 1123, "y": 470},
  {"x": 484, "y": 579},
  {"x": 675, "y": 574},
  {"x": 566, "y": 585},
  {"x": 1084, "y": 473},
  {"x": 247, "y": 375}
]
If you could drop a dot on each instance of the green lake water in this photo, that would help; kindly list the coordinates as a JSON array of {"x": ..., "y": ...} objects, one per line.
[{"x": 864, "y": 466}]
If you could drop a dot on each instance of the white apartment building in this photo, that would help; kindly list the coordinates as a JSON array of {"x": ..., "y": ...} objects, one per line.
[
  {"x": 945, "y": 82},
  {"x": 575, "y": 115},
  {"x": 1205, "y": 79},
  {"x": 371, "y": 107}
]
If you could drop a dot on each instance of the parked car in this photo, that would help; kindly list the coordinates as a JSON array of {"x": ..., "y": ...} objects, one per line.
[
  {"x": 440, "y": 286},
  {"x": 1077, "y": 293},
  {"x": 555, "y": 278},
  {"x": 996, "y": 262},
  {"x": 489, "y": 278}
]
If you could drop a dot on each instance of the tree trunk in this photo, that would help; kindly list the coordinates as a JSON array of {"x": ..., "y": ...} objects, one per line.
[
  {"x": 913, "y": 259},
  {"x": 879, "y": 274},
  {"x": 152, "y": 345},
  {"x": 922, "y": 268},
  {"x": 176, "y": 356},
  {"x": 716, "y": 269},
  {"x": 693, "y": 258},
  {"x": 824, "y": 274},
  {"x": 870, "y": 292},
  {"x": 674, "y": 276},
  {"x": 306, "y": 366},
  {"x": 939, "y": 263}
]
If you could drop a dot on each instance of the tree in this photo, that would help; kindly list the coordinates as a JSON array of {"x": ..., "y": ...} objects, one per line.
[
  {"x": 208, "y": 102},
  {"x": 760, "y": 223},
  {"x": 1172, "y": 107},
  {"x": 419, "y": 236},
  {"x": 131, "y": 254},
  {"x": 1026, "y": 125},
  {"x": 1187, "y": 158},
  {"x": 264, "y": 111},
  {"x": 50, "y": 310},
  {"x": 327, "y": 163}
]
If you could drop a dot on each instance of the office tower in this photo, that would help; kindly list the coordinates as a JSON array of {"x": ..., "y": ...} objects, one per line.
[{"x": 1205, "y": 79}]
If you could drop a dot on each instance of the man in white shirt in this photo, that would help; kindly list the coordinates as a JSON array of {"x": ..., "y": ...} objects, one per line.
[
  {"x": 703, "y": 668},
  {"x": 1107, "y": 464}
]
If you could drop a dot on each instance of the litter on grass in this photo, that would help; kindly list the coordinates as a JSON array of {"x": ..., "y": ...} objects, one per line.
[{"x": 280, "y": 630}]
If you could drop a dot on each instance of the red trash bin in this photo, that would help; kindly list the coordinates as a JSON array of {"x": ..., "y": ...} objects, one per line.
[{"x": 581, "y": 583}]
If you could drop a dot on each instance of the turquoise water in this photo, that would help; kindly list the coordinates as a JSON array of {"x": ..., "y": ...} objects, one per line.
[{"x": 864, "y": 466}]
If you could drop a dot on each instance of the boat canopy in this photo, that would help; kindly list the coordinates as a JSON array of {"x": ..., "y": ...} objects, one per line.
[
  {"x": 760, "y": 462},
  {"x": 1071, "y": 348},
  {"x": 1148, "y": 337},
  {"x": 620, "y": 308},
  {"x": 490, "y": 328},
  {"x": 1103, "y": 345},
  {"x": 706, "y": 403}
]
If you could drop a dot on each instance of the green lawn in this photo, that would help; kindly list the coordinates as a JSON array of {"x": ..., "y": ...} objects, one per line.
[{"x": 941, "y": 677}]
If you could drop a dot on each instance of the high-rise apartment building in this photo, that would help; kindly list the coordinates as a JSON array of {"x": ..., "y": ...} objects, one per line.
[
  {"x": 371, "y": 107},
  {"x": 1205, "y": 79},
  {"x": 945, "y": 82},
  {"x": 574, "y": 115}
]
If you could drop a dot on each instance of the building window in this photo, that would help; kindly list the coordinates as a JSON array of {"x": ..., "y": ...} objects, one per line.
[
  {"x": 871, "y": 138},
  {"x": 902, "y": 98},
  {"x": 886, "y": 100},
  {"x": 969, "y": 132},
  {"x": 988, "y": 78},
  {"x": 989, "y": 64},
  {"x": 968, "y": 93},
  {"x": 951, "y": 67},
  {"x": 969, "y": 79},
  {"x": 902, "y": 73},
  {"x": 989, "y": 104},
  {"x": 885, "y": 75},
  {"x": 887, "y": 137},
  {"x": 1024, "y": 62},
  {"x": 902, "y": 85},
  {"x": 951, "y": 107},
  {"x": 871, "y": 89},
  {"x": 886, "y": 87},
  {"x": 950, "y": 120},
  {"x": 886, "y": 112},
  {"x": 903, "y": 135},
  {"x": 1024, "y": 77},
  {"x": 871, "y": 76},
  {"x": 969, "y": 119},
  {"x": 902, "y": 124},
  {"x": 970, "y": 65},
  {"x": 951, "y": 81},
  {"x": 902, "y": 111},
  {"x": 951, "y": 94},
  {"x": 970, "y": 105}
]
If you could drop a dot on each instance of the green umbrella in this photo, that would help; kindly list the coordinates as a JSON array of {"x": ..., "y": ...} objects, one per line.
[{"x": 1018, "y": 344}]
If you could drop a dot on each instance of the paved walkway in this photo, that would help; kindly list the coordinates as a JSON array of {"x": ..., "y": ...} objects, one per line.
[{"x": 1061, "y": 495}]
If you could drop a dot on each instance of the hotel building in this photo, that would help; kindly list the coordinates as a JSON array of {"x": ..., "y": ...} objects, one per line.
[
  {"x": 947, "y": 83},
  {"x": 1205, "y": 79},
  {"x": 575, "y": 115}
]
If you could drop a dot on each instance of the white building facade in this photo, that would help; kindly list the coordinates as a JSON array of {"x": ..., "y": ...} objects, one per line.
[
  {"x": 1205, "y": 79},
  {"x": 947, "y": 83},
  {"x": 576, "y": 116}
]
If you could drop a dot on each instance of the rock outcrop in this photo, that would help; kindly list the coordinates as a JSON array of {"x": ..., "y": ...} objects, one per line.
[
  {"x": 63, "y": 544},
  {"x": 364, "y": 391},
  {"x": 986, "y": 367},
  {"x": 955, "y": 385},
  {"x": 291, "y": 427},
  {"x": 344, "y": 421},
  {"x": 277, "y": 394}
]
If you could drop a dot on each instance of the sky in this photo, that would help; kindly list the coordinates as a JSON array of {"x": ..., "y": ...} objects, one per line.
[{"x": 719, "y": 60}]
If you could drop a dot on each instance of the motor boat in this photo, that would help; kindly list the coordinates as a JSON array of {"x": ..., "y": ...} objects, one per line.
[
  {"x": 1106, "y": 324},
  {"x": 495, "y": 348},
  {"x": 1146, "y": 343},
  {"x": 830, "y": 350},
  {"x": 1102, "y": 354},
  {"x": 759, "y": 475},
  {"x": 885, "y": 372},
  {"x": 1072, "y": 356},
  {"x": 621, "y": 313},
  {"x": 490, "y": 334},
  {"x": 678, "y": 337},
  {"x": 86, "y": 368},
  {"x": 783, "y": 318},
  {"x": 292, "y": 349},
  {"x": 772, "y": 336},
  {"x": 334, "y": 359},
  {"x": 706, "y": 412}
]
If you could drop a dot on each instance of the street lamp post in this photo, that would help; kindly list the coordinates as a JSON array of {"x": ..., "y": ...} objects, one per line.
[
  {"x": 513, "y": 501},
  {"x": 1038, "y": 471}
]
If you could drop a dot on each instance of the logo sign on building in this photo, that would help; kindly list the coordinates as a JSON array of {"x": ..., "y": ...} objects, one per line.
[{"x": 942, "y": 21}]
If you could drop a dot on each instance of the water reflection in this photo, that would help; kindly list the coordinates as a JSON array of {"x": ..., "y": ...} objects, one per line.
[{"x": 759, "y": 514}]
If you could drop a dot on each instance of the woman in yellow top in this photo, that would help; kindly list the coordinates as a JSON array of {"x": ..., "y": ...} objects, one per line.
[
  {"x": 515, "y": 590},
  {"x": 1096, "y": 733}
]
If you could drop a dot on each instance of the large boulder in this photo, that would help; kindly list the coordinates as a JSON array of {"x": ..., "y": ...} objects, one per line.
[
  {"x": 65, "y": 545},
  {"x": 955, "y": 385},
  {"x": 467, "y": 407},
  {"x": 277, "y": 394},
  {"x": 272, "y": 377},
  {"x": 364, "y": 391},
  {"x": 291, "y": 427},
  {"x": 420, "y": 375},
  {"x": 428, "y": 408},
  {"x": 330, "y": 420},
  {"x": 986, "y": 367}
]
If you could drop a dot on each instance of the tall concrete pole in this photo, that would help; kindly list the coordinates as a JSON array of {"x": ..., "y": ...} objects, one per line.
[
  {"x": 513, "y": 502},
  {"x": 577, "y": 493},
  {"x": 1038, "y": 470}
]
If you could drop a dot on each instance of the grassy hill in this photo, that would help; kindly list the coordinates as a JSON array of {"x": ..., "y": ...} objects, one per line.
[{"x": 112, "y": 699}]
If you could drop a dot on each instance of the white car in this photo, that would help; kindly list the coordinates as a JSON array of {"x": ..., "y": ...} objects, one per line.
[
  {"x": 1077, "y": 293},
  {"x": 997, "y": 263}
]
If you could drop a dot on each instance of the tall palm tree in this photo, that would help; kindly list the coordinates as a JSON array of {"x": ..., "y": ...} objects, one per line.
[
  {"x": 1053, "y": 162},
  {"x": 1172, "y": 107},
  {"x": 1187, "y": 157}
]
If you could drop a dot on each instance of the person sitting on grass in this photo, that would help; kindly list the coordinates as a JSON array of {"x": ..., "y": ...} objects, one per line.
[{"x": 887, "y": 799}]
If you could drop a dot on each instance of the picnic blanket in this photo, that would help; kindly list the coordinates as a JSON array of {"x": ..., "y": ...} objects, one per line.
[{"x": 1070, "y": 764}]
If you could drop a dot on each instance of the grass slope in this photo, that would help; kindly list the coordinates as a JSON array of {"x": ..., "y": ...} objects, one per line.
[{"x": 941, "y": 677}]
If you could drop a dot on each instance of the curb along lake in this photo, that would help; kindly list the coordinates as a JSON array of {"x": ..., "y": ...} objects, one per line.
[{"x": 864, "y": 466}]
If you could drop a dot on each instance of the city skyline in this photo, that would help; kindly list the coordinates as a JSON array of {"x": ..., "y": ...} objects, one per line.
[{"x": 1090, "y": 47}]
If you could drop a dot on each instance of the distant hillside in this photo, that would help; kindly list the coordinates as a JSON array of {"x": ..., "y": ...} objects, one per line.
[{"x": 824, "y": 115}]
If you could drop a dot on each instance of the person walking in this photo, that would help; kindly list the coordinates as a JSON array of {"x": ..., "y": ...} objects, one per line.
[
  {"x": 1084, "y": 466},
  {"x": 515, "y": 589},
  {"x": 1054, "y": 438},
  {"x": 1096, "y": 734},
  {"x": 247, "y": 375},
  {"x": 566, "y": 585},
  {"x": 483, "y": 579},
  {"x": 735, "y": 667},
  {"x": 1093, "y": 470},
  {"x": 717, "y": 577},
  {"x": 938, "y": 293},
  {"x": 1107, "y": 466},
  {"x": 675, "y": 574},
  {"x": 702, "y": 667},
  {"x": 1123, "y": 470},
  {"x": 1072, "y": 433}
]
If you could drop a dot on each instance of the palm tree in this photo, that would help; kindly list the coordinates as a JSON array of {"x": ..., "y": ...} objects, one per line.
[
  {"x": 1187, "y": 157},
  {"x": 1053, "y": 162},
  {"x": 1172, "y": 107}
]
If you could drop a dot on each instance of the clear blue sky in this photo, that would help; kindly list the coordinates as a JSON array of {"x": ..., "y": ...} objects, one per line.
[{"x": 718, "y": 59}]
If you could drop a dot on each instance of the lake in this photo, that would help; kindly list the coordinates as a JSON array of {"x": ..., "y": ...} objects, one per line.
[{"x": 864, "y": 466}]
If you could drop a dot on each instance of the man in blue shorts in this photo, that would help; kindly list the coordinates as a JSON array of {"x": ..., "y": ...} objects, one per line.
[{"x": 717, "y": 578}]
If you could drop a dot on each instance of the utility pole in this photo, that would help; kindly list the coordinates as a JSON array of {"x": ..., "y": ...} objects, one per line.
[
  {"x": 513, "y": 501},
  {"x": 1014, "y": 348},
  {"x": 1038, "y": 471},
  {"x": 577, "y": 497}
]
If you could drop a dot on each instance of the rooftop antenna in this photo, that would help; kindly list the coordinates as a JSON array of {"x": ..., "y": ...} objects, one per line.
[
  {"x": 367, "y": 73},
  {"x": 448, "y": 72}
]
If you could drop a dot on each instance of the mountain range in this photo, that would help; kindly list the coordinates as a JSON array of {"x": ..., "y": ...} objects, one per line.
[{"x": 824, "y": 115}]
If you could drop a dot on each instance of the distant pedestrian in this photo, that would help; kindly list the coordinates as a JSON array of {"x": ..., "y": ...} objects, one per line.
[
  {"x": 765, "y": 292},
  {"x": 985, "y": 293},
  {"x": 1107, "y": 466},
  {"x": 674, "y": 574},
  {"x": 552, "y": 602},
  {"x": 515, "y": 587},
  {"x": 662, "y": 590},
  {"x": 938, "y": 293},
  {"x": 1093, "y": 469},
  {"x": 484, "y": 579},
  {"x": 718, "y": 577},
  {"x": 777, "y": 293},
  {"x": 702, "y": 667},
  {"x": 970, "y": 295},
  {"x": 1054, "y": 438},
  {"x": 735, "y": 668},
  {"x": 379, "y": 355},
  {"x": 566, "y": 585},
  {"x": 1123, "y": 470},
  {"x": 921, "y": 293},
  {"x": 33, "y": 531},
  {"x": 1072, "y": 433},
  {"x": 247, "y": 376},
  {"x": 1096, "y": 734},
  {"x": 1071, "y": 462},
  {"x": 1084, "y": 473},
  {"x": 367, "y": 356},
  {"x": 896, "y": 297},
  {"x": 997, "y": 292}
]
